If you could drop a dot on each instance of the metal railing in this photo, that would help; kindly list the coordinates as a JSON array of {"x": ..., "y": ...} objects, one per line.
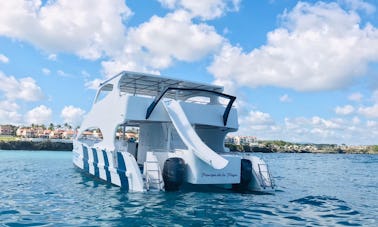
[
  {"x": 151, "y": 180},
  {"x": 160, "y": 96},
  {"x": 265, "y": 176}
]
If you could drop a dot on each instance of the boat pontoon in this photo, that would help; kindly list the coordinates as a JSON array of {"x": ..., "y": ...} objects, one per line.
[{"x": 147, "y": 132}]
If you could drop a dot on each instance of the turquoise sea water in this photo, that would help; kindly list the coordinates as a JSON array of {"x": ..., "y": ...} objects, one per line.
[{"x": 41, "y": 188}]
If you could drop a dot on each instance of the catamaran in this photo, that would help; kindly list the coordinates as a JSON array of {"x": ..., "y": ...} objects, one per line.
[{"x": 181, "y": 130}]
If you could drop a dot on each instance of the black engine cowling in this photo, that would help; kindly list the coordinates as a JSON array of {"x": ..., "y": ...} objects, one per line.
[
  {"x": 245, "y": 175},
  {"x": 173, "y": 173}
]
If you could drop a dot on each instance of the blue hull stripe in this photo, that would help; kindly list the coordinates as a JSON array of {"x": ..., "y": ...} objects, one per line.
[
  {"x": 121, "y": 170},
  {"x": 86, "y": 158},
  {"x": 106, "y": 167},
  {"x": 95, "y": 163}
]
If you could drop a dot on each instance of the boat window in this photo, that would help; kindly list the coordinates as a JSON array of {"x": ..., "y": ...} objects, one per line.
[
  {"x": 103, "y": 92},
  {"x": 127, "y": 133},
  {"x": 212, "y": 136},
  {"x": 126, "y": 139},
  {"x": 91, "y": 136},
  {"x": 223, "y": 101},
  {"x": 199, "y": 99},
  {"x": 176, "y": 141}
]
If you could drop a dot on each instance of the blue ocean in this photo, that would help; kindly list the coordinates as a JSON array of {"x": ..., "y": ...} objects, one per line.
[{"x": 43, "y": 188}]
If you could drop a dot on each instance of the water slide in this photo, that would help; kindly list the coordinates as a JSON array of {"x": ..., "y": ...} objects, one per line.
[{"x": 190, "y": 137}]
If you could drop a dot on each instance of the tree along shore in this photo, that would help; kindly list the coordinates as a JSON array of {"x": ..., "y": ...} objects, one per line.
[
  {"x": 266, "y": 148},
  {"x": 285, "y": 147},
  {"x": 30, "y": 145}
]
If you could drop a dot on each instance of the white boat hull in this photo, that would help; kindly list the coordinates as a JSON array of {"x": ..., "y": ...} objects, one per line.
[
  {"x": 180, "y": 140},
  {"x": 117, "y": 169},
  {"x": 121, "y": 169}
]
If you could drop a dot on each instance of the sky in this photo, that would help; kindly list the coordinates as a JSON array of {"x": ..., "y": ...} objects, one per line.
[{"x": 302, "y": 71}]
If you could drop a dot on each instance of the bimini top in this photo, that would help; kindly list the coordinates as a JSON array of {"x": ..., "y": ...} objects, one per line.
[{"x": 151, "y": 85}]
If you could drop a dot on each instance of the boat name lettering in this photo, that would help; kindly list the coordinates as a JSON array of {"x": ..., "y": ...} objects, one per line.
[{"x": 219, "y": 174}]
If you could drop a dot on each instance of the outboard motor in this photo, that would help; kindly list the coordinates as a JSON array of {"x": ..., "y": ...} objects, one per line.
[
  {"x": 173, "y": 173},
  {"x": 245, "y": 175}
]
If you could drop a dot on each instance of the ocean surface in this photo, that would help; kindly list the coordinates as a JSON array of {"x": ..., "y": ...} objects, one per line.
[{"x": 42, "y": 188}]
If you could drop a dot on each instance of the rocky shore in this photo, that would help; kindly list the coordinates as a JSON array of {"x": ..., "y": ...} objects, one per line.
[
  {"x": 265, "y": 147},
  {"x": 285, "y": 147},
  {"x": 31, "y": 145},
  {"x": 317, "y": 151}
]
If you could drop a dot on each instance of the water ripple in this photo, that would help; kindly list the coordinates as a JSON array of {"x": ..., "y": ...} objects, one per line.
[{"x": 43, "y": 189}]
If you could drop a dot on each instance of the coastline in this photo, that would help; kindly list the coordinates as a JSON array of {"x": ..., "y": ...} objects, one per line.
[
  {"x": 46, "y": 145},
  {"x": 303, "y": 148}
]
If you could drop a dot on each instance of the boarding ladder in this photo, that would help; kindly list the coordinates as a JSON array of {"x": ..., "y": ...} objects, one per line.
[
  {"x": 152, "y": 173},
  {"x": 266, "y": 179}
]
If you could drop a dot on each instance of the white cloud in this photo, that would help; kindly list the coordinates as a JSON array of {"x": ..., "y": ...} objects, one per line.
[
  {"x": 359, "y": 5},
  {"x": 256, "y": 121},
  {"x": 46, "y": 71},
  {"x": 285, "y": 98},
  {"x": 370, "y": 111},
  {"x": 198, "y": 41},
  {"x": 372, "y": 124},
  {"x": 149, "y": 47},
  {"x": 83, "y": 27},
  {"x": 205, "y": 9},
  {"x": 344, "y": 110},
  {"x": 318, "y": 47},
  {"x": 85, "y": 74},
  {"x": 346, "y": 129},
  {"x": 3, "y": 58},
  {"x": 39, "y": 115},
  {"x": 9, "y": 113},
  {"x": 24, "y": 88},
  {"x": 72, "y": 115},
  {"x": 314, "y": 129},
  {"x": 52, "y": 57},
  {"x": 63, "y": 74},
  {"x": 5, "y": 104},
  {"x": 374, "y": 96},
  {"x": 357, "y": 97},
  {"x": 93, "y": 84},
  {"x": 98, "y": 30},
  {"x": 324, "y": 123},
  {"x": 319, "y": 130},
  {"x": 356, "y": 120}
]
